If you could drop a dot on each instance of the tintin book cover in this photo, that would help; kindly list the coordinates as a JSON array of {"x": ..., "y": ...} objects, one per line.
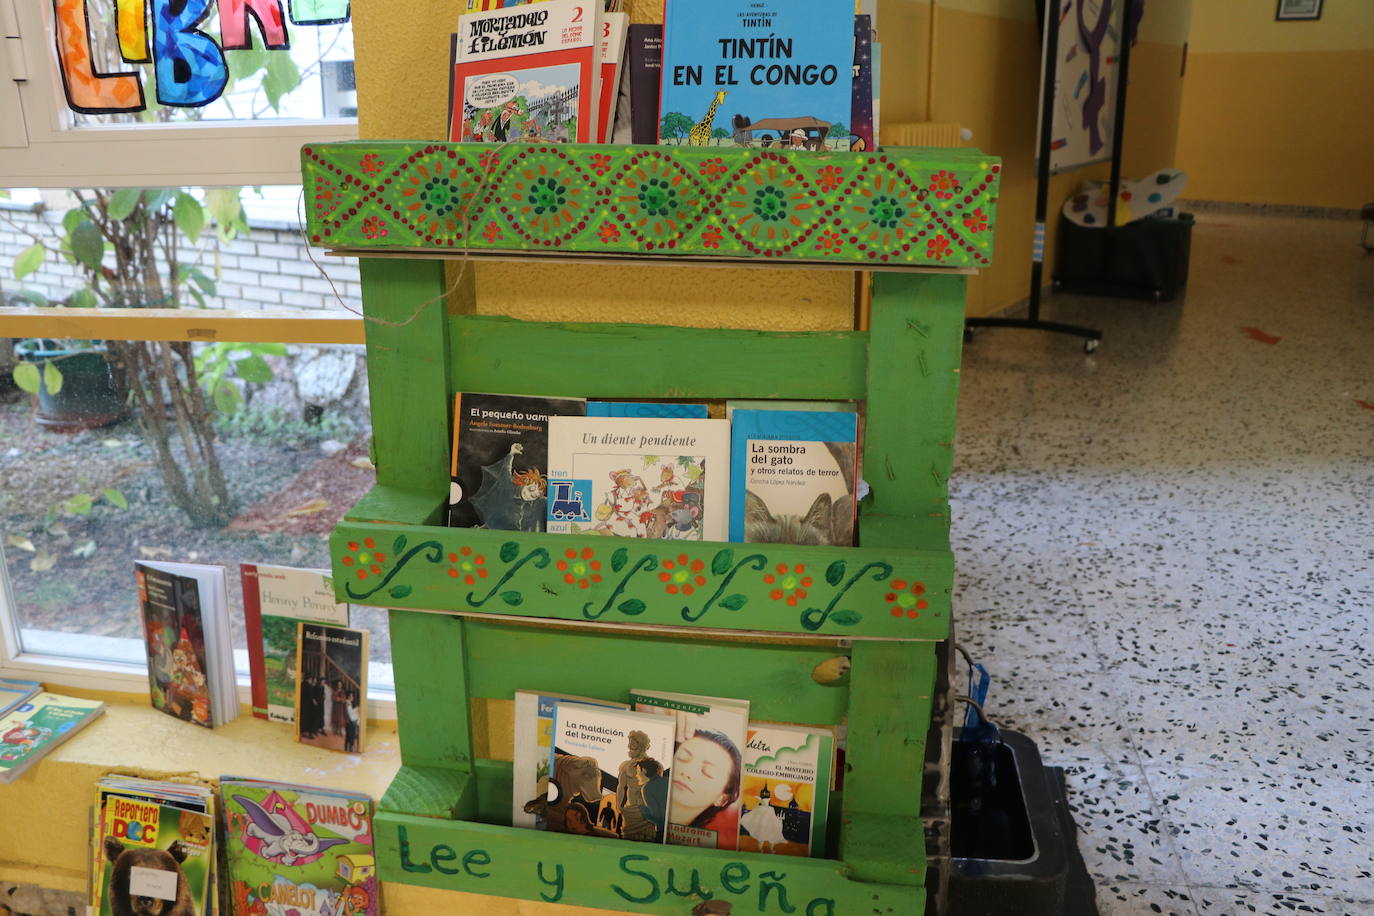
[
  {"x": 643, "y": 478},
  {"x": 149, "y": 852},
  {"x": 298, "y": 850},
  {"x": 758, "y": 73}
]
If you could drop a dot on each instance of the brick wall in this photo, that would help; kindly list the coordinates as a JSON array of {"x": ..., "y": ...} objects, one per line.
[{"x": 267, "y": 268}]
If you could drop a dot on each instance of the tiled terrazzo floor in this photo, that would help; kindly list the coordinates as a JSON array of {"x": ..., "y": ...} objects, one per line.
[{"x": 1166, "y": 558}]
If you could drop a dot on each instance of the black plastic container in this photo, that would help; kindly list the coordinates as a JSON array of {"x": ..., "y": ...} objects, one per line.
[{"x": 1144, "y": 259}]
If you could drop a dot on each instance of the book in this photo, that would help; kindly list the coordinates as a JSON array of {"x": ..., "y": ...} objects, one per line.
[
  {"x": 862, "y": 138},
  {"x": 35, "y": 725},
  {"x": 186, "y": 633},
  {"x": 534, "y": 712},
  {"x": 14, "y": 692},
  {"x": 636, "y": 477},
  {"x": 331, "y": 686},
  {"x": 499, "y": 470},
  {"x": 274, "y": 599},
  {"x": 154, "y": 849},
  {"x": 757, "y": 73},
  {"x": 769, "y": 404},
  {"x": 792, "y": 477},
  {"x": 610, "y": 773},
  {"x": 613, "y": 28},
  {"x": 787, "y": 777},
  {"x": 650, "y": 409},
  {"x": 644, "y": 48},
  {"x": 704, "y": 806},
  {"x": 529, "y": 72},
  {"x": 292, "y": 848}
]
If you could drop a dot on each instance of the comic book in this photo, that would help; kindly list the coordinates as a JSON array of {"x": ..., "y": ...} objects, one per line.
[
  {"x": 13, "y": 692},
  {"x": 36, "y": 725},
  {"x": 297, "y": 849},
  {"x": 154, "y": 841},
  {"x": 787, "y": 773},
  {"x": 274, "y": 599},
  {"x": 186, "y": 633}
]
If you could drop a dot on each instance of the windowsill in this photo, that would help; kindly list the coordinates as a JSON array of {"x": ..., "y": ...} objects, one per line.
[{"x": 54, "y": 795}]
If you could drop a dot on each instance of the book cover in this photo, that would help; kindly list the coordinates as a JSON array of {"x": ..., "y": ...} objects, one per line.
[
  {"x": 186, "y": 658},
  {"x": 704, "y": 806},
  {"x": 861, "y": 110},
  {"x": 275, "y": 598},
  {"x": 331, "y": 686},
  {"x": 148, "y": 793},
  {"x": 499, "y": 470},
  {"x": 611, "y": 773},
  {"x": 786, "y": 789},
  {"x": 298, "y": 849},
  {"x": 36, "y": 725},
  {"x": 13, "y": 692},
  {"x": 636, "y": 477},
  {"x": 645, "y": 53},
  {"x": 613, "y": 28},
  {"x": 757, "y": 73},
  {"x": 648, "y": 409},
  {"x": 154, "y": 858},
  {"x": 771, "y": 404},
  {"x": 534, "y": 712},
  {"x": 792, "y": 477},
  {"x": 530, "y": 72}
]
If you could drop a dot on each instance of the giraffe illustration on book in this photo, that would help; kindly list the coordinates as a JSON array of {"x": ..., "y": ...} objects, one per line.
[{"x": 700, "y": 134}]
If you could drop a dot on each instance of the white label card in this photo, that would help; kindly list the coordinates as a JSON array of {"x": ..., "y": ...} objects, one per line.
[{"x": 152, "y": 882}]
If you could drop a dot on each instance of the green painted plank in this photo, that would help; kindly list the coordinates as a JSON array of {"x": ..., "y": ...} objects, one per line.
[
  {"x": 622, "y": 876},
  {"x": 495, "y": 784},
  {"x": 501, "y": 354},
  {"x": 916, "y": 338},
  {"x": 776, "y": 679},
  {"x": 430, "y": 665},
  {"x": 856, "y": 593},
  {"x": 430, "y": 792},
  {"x": 910, "y": 206},
  {"x": 399, "y": 506},
  {"x": 407, "y": 371}
]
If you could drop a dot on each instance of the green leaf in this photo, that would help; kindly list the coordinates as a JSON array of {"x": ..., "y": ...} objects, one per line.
[
  {"x": 80, "y": 504},
  {"x": 122, "y": 203},
  {"x": 88, "y": 245},
  {"x": 398, "y": 545},
  {"x": 83, "y": 299},
  {"x": 282, "y": 76},
  {"x": 509, "y": 551},
  {"x": 72, "y": 217},
  {"x": 619, "y": 559},
  {"x": 33, "y": 296},
  {"x": 27, "y": 377},
  {"x": 52, "y": 377},
  {"x": 733, "y": 602},
  {"x": 225, "y": 205},
  {"x": 29, "y": 260},
  {"x": 227, "y": 399},
  {"x": 244, "y": 63},
  {"x": 722, "y": 561},
  {"x": 846, "y": 618},
  {"x": 400, "y": 591},
  {"x": 267, "y": 349},
  {"x": 158, "y": 198},
  {"x": 835, "y": 572},
  {"x": 632, "y": 607},
  {"x": 253, "y": 369},
  {"x": 115, "y": 498},
  {"x": 189, "y": 216},
  {"x": 206, "y": 284},
  {"x": 514, "y": 599}
]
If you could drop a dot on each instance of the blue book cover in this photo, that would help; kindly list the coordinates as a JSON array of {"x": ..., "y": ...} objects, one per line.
[
  {"x": 758, "y": 73},
  {"x": 792, "y": 477},
  {"x": 646, "y": 409}
]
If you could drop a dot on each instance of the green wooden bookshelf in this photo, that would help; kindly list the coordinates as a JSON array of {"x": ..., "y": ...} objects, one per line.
[{"x": 477, "y": 614}]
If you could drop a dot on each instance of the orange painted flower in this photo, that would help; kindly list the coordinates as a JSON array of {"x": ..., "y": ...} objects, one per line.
[
  {"x": 904, "y": 600},
  {"x": 976, "y": 221},
  {"x": 579, "y": 567},
  {"x": 789, "y": 585},
  {"x": 711, "y": 236},
  {"x": 492, "y": 232},
  {"x": 488, "y": 160},
  {"x": 365, "y": 559},
  {"x": 829, "y": 242},
  {"x": 943, "y": 184},
  {"x": 712, "y": 168},
  {"x": 371, "y": 164},
  {"x": 467, "y": 566},
  {"x": 601, "y": 163},
  {"x": 681, "y": 576},
  {"x": 831, "y": 177},
  {"x": 374, "y": 227},
  {"x": 608, "y": 232},
  {"x": 938, "y": 248}
]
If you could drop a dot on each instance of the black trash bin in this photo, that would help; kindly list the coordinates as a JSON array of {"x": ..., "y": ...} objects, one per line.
[{"x": 1144, "y": 259}]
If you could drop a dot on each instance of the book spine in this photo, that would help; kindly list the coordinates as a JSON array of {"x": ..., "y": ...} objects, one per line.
[{"x": 252, "y": 624}]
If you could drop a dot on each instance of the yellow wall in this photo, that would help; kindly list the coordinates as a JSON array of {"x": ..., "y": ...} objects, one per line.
[{"x": 1279, "y": 112}]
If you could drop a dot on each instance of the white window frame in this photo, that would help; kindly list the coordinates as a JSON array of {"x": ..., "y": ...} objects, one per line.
[{"x": 144, "y": 155}]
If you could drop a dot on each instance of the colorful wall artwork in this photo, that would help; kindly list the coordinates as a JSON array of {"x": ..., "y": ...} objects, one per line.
[
  {"x": 190, "y": 65},
  {"x": 1084, "y": 71}
]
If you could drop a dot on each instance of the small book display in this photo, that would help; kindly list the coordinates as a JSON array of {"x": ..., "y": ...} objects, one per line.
[{"x": 814, "y": 636}]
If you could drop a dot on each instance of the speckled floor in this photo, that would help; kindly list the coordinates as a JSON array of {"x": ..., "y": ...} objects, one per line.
[{"x": 1166, "y": 559}]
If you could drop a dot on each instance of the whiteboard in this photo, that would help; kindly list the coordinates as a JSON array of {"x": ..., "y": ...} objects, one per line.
[{"x": 1084, "y": 69}]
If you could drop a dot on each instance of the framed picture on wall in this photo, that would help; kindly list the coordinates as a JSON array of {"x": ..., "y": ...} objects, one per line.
[{"x": 1298, "y": 9}]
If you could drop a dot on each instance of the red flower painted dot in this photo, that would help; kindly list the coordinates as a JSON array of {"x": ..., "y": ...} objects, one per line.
[
  {"x": 601, "y": 163},
  {"x": 364, "y": 558},
  {"x": 371, "y": 164},
  {"x": 831, "y": 177},
  {"x": 711, "y": 237},
  {"x": 905, "y": 600},
  {"x": 790, "y": 583},
  {"x": 976, "y": 221},
  {"x": 713, "y": 168},
  {"x": 938, "y": 248},
  {"x": 374, "y": 227},
  {"x": 830, "y": 242},
  {"x": 681, "y": 576},
  {"x": 579, "y": 567},
  {"x": 492, "y": 232},
  {"x": 467, "y": 565},
  {"x": 608, "y": 232},
  {"x": 488, "y": 160},
  {"x": 943, "y": 184}
]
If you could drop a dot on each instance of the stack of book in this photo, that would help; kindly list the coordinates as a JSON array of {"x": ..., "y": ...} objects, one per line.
[
  {"x": 32, "y": 723},
  {"x": 782, "y": 74},
  {"x": 656, "y": 470}
]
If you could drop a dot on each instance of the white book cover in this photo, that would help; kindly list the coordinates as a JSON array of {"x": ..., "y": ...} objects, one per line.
[
  {"x": 534, "y": 713},
  {"x": 611, "y": 772},
  {"x": 636, "y": 477},
  {"x": 708, "y": 765},
  {"x": 613, "y": 31},
  {"x": 186, "y": 631}
]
